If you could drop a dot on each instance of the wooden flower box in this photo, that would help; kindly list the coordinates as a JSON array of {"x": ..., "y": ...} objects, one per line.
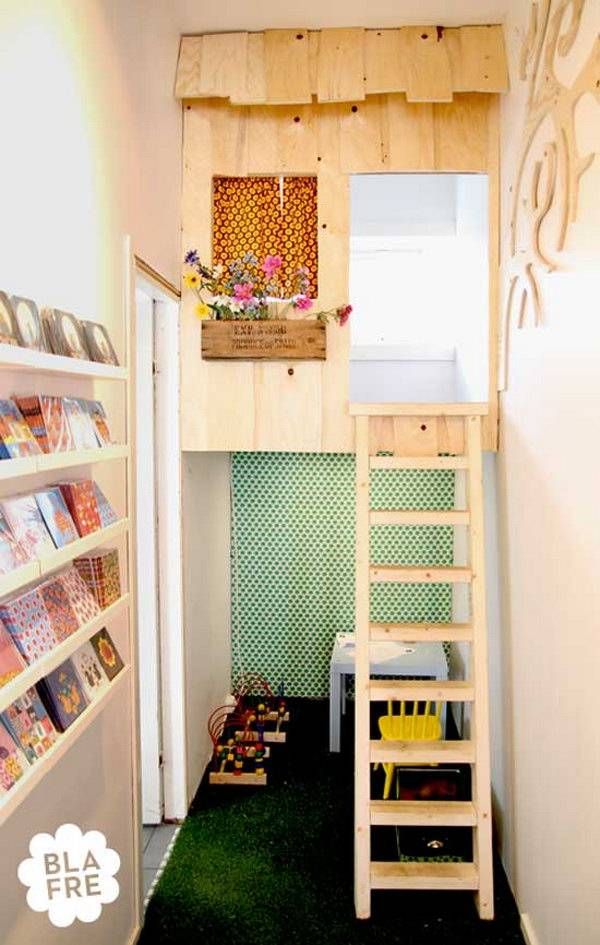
[{"x": 268, "y": 339}]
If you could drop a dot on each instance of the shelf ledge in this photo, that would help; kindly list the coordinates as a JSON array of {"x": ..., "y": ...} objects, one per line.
[
  {"x": 44, "y": 462},
  {"x": 13, "y": 358}
]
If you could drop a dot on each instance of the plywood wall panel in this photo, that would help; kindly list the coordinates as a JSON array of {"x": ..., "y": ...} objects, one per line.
[
  {"x": 429, "y": 78},
  {"x": 460, "y": 132},
  {"x": 428, "y": 63},
  {"x": 341, "y": 66},
  {"x": 249, "y": 406},
  {"x": 287, "y": 67}
]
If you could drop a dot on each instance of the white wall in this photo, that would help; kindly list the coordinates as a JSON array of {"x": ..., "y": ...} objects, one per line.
[
  {"x": 207, "y": 599},
  {"x": 90, "y": 152},
  {"x": 547, "y": 769}
]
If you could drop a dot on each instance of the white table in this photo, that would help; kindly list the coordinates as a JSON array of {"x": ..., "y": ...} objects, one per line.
[{"x": 387, "y": 659}]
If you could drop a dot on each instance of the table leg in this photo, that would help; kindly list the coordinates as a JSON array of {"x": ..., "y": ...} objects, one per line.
[{"x": 334, "y": 709}]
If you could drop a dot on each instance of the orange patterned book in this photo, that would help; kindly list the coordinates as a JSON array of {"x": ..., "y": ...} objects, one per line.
[{"x": 81, "y": 501}]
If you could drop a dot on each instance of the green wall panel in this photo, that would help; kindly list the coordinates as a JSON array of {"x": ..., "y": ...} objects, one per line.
[{"x": 293, "y": 559}]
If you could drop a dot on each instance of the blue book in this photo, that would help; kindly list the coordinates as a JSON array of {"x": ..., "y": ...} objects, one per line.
[
  {"x": 57, "y": 517},
  {"x": 105, "y": 510},
  {"x": 63, "y": 695}
]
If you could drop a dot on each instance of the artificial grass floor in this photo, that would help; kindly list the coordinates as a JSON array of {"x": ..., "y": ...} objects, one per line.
[{"x": 274, "y": 865}]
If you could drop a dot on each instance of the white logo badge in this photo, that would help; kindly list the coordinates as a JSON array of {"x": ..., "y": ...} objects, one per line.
[{"x": 70, "y": 875}]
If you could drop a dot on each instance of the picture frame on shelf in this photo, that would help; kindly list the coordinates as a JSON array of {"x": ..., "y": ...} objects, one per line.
[
  {"x": 8, "y": 325},
  {"x": 67, "y": 335},
  {"x": 99, "y": 344},
  {"x": 28, "y": 324}
]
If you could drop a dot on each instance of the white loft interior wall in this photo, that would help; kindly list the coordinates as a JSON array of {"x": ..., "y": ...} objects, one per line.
[
  {"x": 206, "y": 520},
  {"x": 419, "y": 287}
]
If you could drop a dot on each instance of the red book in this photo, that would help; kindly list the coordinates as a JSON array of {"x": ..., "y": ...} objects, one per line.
[
  {"x": 80, "y": 497},
  {"x": 11, "y": 661}
]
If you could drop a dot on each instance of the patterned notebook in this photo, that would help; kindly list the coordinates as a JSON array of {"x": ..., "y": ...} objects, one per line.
[
  {"x": 80, "y": 424},
  {"x": 57, "y": 426},
  {"x": 80, "y": 597},
  {"x": 81, "y": 500},
  {"x": 107, "y": 653},
  {"x": 89, "y": 669},
  {"x": 11, "y": 661},
  {"x": 62, "y": 616},
  {"x": 13, "y": 763},
  {"x": 31, "y": 409},
  {"x": 30, "y": 726},
  {"x": 100, "y": 571},
  {"x": 56, "y": 516},
  {"x": 12, "y": 554},
  {"x": 27, "y": 525},
  {"x": 63, "y": 695},
  {"x": 98, "y": 417},
  {"x": 26, "y": 619},
  {"x": 105, "y": 509},
  {"x": 15, "y": 433}
]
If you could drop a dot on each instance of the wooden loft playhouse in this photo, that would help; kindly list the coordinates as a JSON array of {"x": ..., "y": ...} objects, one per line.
[{"x": 263, "y": 112}]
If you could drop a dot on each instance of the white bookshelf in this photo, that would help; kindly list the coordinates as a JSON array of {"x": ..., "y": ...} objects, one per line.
[
  {"x": 36, "y": 671},
  {"x": 31, "y": 465},
  {"x": 13, "y": 358},
  {"x": 30, "y": 365},
  {"x": 36, "y": 772},
  {"x": 21, "y": 577}
]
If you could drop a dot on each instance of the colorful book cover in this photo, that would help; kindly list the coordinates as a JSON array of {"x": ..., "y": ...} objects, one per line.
[
  {"x": 31, "y": 409},
  {"x": 81, "y": 500},
  {"x": 107, "y": 653},
  {"x": 30, "y": 725},
  {"x": 105, "y": 509},
  {"x": 11, "y": 661},
  {"x": 27, "y": 525},
  {"x": 57, "y": 425},
  {"x": 15, "y": 433},
  {"x": 89, "y": 669},
  {"x": 80, "y": 597},
  {"x": 56, "y": 516},
  {"x": 62, "y": 616},
  {"x": 80, "y": 424},
  {"x": 12, "y": 554},
  {"x": 63, "y": 695},
  {"x": 26, "y": 619},
  {"x": 101, "y": 573},
  {"x": 13, "y": 763},
  {"x": 98, "y": 418}
]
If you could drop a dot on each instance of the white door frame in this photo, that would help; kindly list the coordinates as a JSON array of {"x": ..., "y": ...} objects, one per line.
[{"x": 160, "y": 591}]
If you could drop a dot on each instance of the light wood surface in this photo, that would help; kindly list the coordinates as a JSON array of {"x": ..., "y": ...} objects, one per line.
[
  {"x": 418, "y": 814},
  {"x": 31, "y": 465},
  {"x": 451, "y": 575},
  {"x": 417, "y": 410},
  {"x": 421, "y": 632},
  {"x": 427, "y": 752},
  {"x": 418, "y": 462},
  {"x": 223, "y": 402},
  {"x": 423, "y": 876},
  {"x": 419, "y": 517},
  {"x": 428, "y": 63},
  {"x": 271, "y": 339},
  {"x": 450, "y": 690}
]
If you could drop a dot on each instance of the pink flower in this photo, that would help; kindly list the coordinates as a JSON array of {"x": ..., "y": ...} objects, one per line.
[
  {"x": 271, "y": 265},
  {"x": 242, "y": 291},
  {"x": 303, "y": 302},
  {"x": 344, "y": 314}
]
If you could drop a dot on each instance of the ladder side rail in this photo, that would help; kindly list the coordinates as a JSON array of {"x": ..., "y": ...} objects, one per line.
[{"x": 482, "y": 839}]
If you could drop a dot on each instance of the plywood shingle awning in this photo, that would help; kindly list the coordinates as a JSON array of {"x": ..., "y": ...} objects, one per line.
[{"x": 289, "y": 67}]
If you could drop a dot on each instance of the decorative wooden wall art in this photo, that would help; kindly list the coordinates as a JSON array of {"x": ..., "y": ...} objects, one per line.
[
  {"x": 259, "y": 405},
  {"x": 546, "y": 189},
  {"x": 288, "y": 67}
]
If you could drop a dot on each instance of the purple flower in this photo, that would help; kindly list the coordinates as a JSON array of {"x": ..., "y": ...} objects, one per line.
[{"x": 191, "y": 257}]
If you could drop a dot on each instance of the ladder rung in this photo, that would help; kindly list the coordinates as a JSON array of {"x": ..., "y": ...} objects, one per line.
[
  {"x": 418, "y": 517},
  {"x": 422, "y": 752},
  {"x": 423, "y": 814},
  {"x": 419, "y": 462},
  {"x": 421, "y": 690},
  {"x": 420, "y": 632},
  {"x": 424, "y": 876},
  {"x": 383, "y": 573}
]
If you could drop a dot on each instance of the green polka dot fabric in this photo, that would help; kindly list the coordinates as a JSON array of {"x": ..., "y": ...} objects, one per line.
[{"x": 293, "y": 523}]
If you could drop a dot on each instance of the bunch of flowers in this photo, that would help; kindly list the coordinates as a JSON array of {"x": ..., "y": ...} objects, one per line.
[{"x": 245, "y": 289}]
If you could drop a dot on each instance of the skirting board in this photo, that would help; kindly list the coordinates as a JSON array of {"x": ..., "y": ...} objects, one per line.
[{"x": 527, "y": 930}]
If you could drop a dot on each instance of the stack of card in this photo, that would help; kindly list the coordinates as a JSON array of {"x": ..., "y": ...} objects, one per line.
[{"x": 100, "y": 571}]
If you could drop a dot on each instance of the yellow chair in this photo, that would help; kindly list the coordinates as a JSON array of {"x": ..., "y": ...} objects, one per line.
[{"x": 406, "y": 728}]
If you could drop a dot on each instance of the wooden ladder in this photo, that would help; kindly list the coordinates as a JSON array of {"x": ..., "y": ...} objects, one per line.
[{"x": 454, "y": 428}]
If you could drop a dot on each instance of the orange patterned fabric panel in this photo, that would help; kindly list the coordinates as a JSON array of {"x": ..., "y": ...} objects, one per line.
[{"x": 250, "y": 214}]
